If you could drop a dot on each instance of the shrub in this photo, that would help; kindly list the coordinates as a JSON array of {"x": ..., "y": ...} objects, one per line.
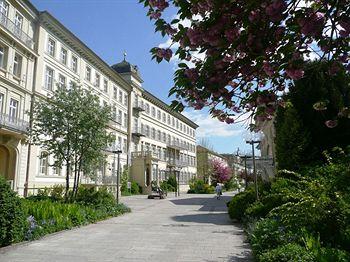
[
  {"x": 198, "y": 186},
  {"x": 89, "y": 196},
  {"x": 166, "y": 187},
  {"x": 269, "y": 233},
  {"x": 240, "y": 202},
  {"x": 46, "y": 217},
  {"x": 12, "y": 218},
  {"x": 135, "y": 188},
  {"x": 287, "y": 253},
  {"x": 172, "y": 182},
  {"x": 231, "y": 184}
]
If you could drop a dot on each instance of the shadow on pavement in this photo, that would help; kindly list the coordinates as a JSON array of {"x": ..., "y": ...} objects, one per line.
[
  {"x": 216, "y": 219},
  {"x": 208, "y": 204},
  {"x": 245, "y": 256}
]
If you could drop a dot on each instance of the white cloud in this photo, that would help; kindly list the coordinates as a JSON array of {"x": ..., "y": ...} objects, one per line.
[{"x": 212, "y": 127}]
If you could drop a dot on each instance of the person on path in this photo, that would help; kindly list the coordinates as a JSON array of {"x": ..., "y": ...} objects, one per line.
[{"x": 218, "y": 190}]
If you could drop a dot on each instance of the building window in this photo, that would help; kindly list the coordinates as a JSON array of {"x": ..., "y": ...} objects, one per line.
[
  {"x": 51, "y": 47},
  {"x": 158, "y": 115},
  {"x": 13, "y": 109},
  {"x": 168, "y": 120},
  {"x": 97, "y": 80},
  {"x": 147, "y": 130},
  {"x": 126, "y": 100},
  {"x": 164, "y": 117},
  {"x": 173, "y": 122},
  {"x": 125, "y": 120},
  {"x": 120, "y": 117},
  {"x": 180, "y": 126},
  {"x": 1, "y": 102},
  {"x": 63, "y": 56},
  {"x": 159, "y": 137},
  {"x": 61, "y": 81},
  {"x": 17, "y": 65},
  {"x": 105, "y": 86},
  {"x": 177, "y": 124},
  {"x": 120, "y": 96},
  {"x": 147, "y": 108},
  {"x": 57, "y": 171},
  {"x": 88, "y": 74},
  {"x": 2, "y": 57},
  {"x": 153, "y": 133},
  {"x": 124, "y": 145},
  {"x": 72, "y": 84},
  {"x": 114, "y": 113},
  {"x": 74, "y": 64},
  {"x": 115, "y": 92},
  {"x": 44, "y": 164},
  {"x": 153, "y": 112},
  {"x": 18, "y": 24},
  {"x": 4, "y": 6},
  {"x": 49, "y": 78}
]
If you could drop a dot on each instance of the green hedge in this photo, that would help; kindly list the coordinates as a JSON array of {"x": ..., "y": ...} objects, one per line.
[
  {"x": 198, "y": 186},
  {"x": 295, "y": 206},
  {"x": 12, "y": 217},
  {"x": 48, "y": 212}
]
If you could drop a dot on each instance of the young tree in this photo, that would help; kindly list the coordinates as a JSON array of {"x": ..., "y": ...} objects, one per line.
[
  {"x": 239, "y": 56},
  {"x": 71, "y": 125},
  {"x": 221, "y": 172}
]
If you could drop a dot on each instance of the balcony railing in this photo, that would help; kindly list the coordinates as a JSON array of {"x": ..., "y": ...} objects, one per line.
[
  {"x": 144, "y": 154},
  {"x": 138, "y": 107},
  {"x": 177, "y": 145},
  {"x": 13, "y": 123},
  {"x": 177, "y": 162},
  {"x": 137, "y": 131},
  {"x": 10, "y": 26}
]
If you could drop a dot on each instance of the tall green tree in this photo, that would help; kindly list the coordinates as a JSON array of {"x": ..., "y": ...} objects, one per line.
[
  {"x": 303, "y": 128},
  {"x": 71, "y": 125}
]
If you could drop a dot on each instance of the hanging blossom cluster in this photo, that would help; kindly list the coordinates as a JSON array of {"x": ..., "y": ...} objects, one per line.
[
  {"x": 221, "y": 171},
  {"x": 253, "y": 50}
]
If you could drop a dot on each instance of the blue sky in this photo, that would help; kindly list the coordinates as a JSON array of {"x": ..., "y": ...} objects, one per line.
[{"x": 111, "y": 26}]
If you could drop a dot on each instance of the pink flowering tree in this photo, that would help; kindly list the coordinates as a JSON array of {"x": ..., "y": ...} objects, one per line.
[
  {"x": 221, "y": 172},
  {"x": 240, "y": 56}
]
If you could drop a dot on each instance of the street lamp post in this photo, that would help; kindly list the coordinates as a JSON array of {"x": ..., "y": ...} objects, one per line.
[
  {"x": 255, "y": 139},
  {"x": 118, "y": 152}
]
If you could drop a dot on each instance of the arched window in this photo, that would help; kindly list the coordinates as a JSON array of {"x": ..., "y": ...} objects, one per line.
[{"x": 44, "y": 163}]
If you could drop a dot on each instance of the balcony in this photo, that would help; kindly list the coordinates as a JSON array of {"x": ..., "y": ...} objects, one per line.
[
  {"x": 173, "y": 162},
  {"x": 177, "y": 145},
  {"x": 138, "y": 107},
  {"x": 13, "y": 123},
  {"x": 138, "y": 132},
  {"x": 10, "y": 26},
  {"x": 145, "y": 154}
]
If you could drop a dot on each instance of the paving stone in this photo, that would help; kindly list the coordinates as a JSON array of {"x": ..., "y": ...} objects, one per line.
[{"x": 187, "y": 228}]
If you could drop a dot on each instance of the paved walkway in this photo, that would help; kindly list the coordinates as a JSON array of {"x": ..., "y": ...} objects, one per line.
[{"x": 188, "y": 228}]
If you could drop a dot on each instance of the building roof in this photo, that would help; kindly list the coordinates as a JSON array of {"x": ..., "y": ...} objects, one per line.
[{"x": 202, "y": 148}]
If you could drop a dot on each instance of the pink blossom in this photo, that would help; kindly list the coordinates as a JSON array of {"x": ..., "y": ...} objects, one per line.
[
  {"x": 275, "y": 10},
  {"x": 331, "y": 123},
  {"x": 155, "y": 15},
  {"x": 221, "y": 172},
  {"x": 295, "y": 74},
  {"x": 191, "y": 74},
  {"x": 229, "y": 120},
  {"x": 312, "y": 25},
  {"x": 160, "y": 4},
  {"x": 268, "y": 69},
  {"x": 194, "y": 36}
]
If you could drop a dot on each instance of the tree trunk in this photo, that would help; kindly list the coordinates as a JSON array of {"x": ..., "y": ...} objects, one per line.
[{"x": 67, "y": 178}]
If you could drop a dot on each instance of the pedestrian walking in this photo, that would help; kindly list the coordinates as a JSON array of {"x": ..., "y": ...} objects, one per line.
[{"x": 218, "y": 190}]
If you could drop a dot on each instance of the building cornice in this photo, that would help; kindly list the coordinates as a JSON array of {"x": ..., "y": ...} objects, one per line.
[
  {"x": 78, "y": 46},
  {"x": 151, "y": 98}
]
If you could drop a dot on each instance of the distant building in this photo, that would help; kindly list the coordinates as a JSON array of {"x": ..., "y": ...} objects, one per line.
[
  {"x": 37, "y": 55},
  {"x": 204, "y": 158}
]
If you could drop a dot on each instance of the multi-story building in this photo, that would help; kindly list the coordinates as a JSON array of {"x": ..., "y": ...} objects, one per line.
[
  {"x": 162, "y": 141},
  {"x": 37, "y": 55},
  {"x": 18, "y": 23},
  {"x": 205, "y": 157}
]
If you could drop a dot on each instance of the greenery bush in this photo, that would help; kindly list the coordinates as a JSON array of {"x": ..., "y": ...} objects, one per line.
[
  {"x": 287, "y": 253},
  {"x": 198, "y": 186},
  {"x": 172, "y": 182},
  {"x": 12, "y": 218},
  {"x": 46, "y": 217},
  {"x": 240, "y": 202}
]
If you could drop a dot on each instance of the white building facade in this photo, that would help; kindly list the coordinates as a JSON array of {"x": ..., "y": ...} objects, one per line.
[{"x": 46, "y": 55}]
